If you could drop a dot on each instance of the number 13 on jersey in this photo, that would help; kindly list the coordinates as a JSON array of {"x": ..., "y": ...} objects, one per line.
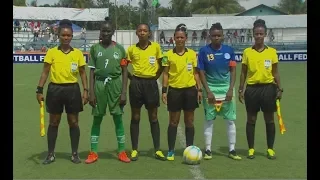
[{"x": 106, "y": 63}]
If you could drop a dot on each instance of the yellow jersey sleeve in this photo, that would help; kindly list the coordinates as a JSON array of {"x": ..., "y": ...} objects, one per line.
[
  {"x": 244, "y": 57},
  {"x": 129, "y": 53},
  {"x": 49, "y": 56},
  {"x": 275, "y": 57},
  {"x": 165, "y": 59},
  {"x": 159, "y": 51},
  {"x": 81, "y": 60}
]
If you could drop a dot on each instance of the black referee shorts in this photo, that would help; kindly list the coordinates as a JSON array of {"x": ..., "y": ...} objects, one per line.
[
  {"x": 66, "y": 96},
  {"x": 261, "y": 97},
  {"x": 144, "y": 91},
  {"x": 182, "y": 99}
]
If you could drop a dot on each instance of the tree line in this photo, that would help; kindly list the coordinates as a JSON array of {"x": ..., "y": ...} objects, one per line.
[{"x": 126, "y": 16}]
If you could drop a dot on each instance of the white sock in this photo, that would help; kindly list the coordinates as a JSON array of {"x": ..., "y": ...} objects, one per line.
[
  {"x": 208, "y": 129},
  {"x": 231, "y": 129}
]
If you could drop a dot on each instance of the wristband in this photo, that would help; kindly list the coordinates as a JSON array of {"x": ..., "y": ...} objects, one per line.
[
  {"x": 164, "y": 90},
  {"x": 39, "y": 90}
]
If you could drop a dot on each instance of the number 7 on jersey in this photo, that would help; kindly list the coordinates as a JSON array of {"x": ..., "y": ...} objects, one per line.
[{"x": 106, "y": 63}]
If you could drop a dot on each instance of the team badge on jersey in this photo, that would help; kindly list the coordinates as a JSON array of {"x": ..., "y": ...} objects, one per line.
[
  {"x": 227, "y": 56},
  {"x": 116, "y": 55},
  {"x": 99, "y": 54},
  {"x": 152, "y": 60},
  {"x": 267, "y": 63}
]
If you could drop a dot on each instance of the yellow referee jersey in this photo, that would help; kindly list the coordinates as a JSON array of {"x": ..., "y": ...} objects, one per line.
[
  {"x": 181, "y": 68},
  {"x": 64, "y": 66},
  {"x": 259, "y": 65},
  {"x": 144, "y": 61}
]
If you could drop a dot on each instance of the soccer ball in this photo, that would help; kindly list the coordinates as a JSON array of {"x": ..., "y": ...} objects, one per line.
[{"x": 192, "y": 155}]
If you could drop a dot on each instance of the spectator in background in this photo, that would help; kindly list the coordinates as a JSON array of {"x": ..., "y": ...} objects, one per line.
[
  {"x": 204, "y": 35},
  {"x": 43, "y": 27},
  {"x": 194, "y": 37},
  {"x": 31, "y": 49},
  {"x": 170, "y": 42},
  {"x": 43, "y": 48},
  {"x": 25, "y": 26},
  {"x": 83, "y": 33},
  {"x": 249, "y": 35},
  {"x": 16, "y": 26},
  {"x": 162, "y": 38},
  {"x": 242, "y": 35},
  {"x": 235, "y": 36},
  {"x": 23, "y": 49},
  {"x": 271, "y": 35},
  {"x": 35, "y": 33},
  {"x": 229, "y": 34}
]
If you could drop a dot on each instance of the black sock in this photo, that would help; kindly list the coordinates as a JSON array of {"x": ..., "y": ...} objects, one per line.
[
  {"x": 250, "y": 130},
  {"x": 134, "y": 133},
  {"x": 189, "y": 135},
  {"x": 74, "y": 137},
  {"x": 155, "y": 132},
  {"x": 271, "y": 133},
  {"x": 52, "y": 137},
  {"x": 172, "y": 134}
]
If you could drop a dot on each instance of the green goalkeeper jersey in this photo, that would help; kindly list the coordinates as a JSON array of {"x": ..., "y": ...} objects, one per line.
[{"x": 106, "y": 61}]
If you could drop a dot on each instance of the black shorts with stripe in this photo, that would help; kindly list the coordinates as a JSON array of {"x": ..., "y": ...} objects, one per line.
[
  {"x": 261, "y": 97},
  {"x": 182, "y": 99},
  {"x": 144, "y": 91},
  {"x": 64, "y": 96}
]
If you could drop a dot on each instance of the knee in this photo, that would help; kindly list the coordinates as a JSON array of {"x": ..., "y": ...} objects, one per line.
[
  {"x": 189, "y": 123},
  {"x": 73, "y": 123},
  {"x": 54, "y": 120},
  {"x": 173, "y": 123},
  {"x": 230, "y": 123},
  {"x": 135, "y": 117},
  {"x": 153, "y": 118},
  {"x": 251, "y": 119}
]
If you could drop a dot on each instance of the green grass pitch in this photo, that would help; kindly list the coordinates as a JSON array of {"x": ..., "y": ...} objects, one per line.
[{"x": 30, "y": 149}]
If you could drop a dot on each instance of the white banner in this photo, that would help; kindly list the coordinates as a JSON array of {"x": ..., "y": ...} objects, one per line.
[{"x": 58, "y": 13}]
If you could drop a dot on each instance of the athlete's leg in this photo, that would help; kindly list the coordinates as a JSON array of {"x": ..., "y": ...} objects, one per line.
[
  {"x": 113, "y": 94},
  {"x": 152, "y": 102},
  {"x": 97, "y": 112},
  {"x": 253, "y": 105},
  {"x": 54, "y": 106},
  {"x": 210, "y": 115},
  {"x": 190, "y": 103},
  {"x": 136, "y": 102},
  {"x": 228, "y": 111},
  {"x": 174, "y": 105},
  {"x": 268, "y": 107}
]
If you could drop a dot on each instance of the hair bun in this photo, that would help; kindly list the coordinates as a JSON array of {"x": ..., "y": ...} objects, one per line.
[
  {"x": 181, "y": 26},
  {"x": 65, "y": 22},
  {"x": 259, "y": 21}
]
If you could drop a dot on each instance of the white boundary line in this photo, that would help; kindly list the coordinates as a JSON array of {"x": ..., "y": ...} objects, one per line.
[{"x": 194, "y": 169}]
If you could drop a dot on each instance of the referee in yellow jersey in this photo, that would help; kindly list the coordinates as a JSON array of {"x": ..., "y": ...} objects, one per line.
[
  {"x": 181, "y": 88},
  {"x": 64, "y": 64},
  {"x": 145, "y": 57},
  {"x": 260, "y": 71}
]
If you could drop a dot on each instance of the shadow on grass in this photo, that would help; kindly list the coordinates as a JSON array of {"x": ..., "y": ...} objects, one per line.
[
  {"x": 38, "y": 158},
  {"x": 240, "y": 152}
]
